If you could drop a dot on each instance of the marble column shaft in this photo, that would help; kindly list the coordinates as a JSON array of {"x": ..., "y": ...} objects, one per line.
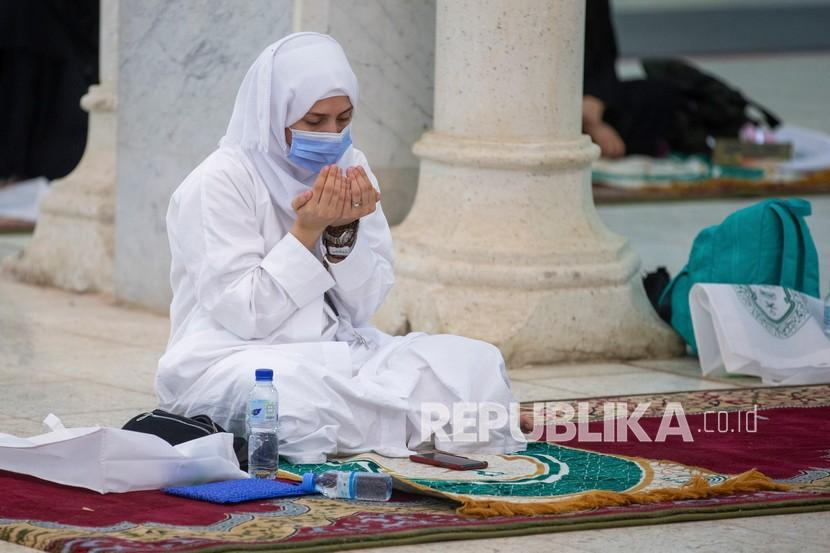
[{"x": 503, "y": 242}]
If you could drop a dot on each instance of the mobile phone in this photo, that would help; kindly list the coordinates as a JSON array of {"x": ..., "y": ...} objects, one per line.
[{"x": 454, "y": 462}]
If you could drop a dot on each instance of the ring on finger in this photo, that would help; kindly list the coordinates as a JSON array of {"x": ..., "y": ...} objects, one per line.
[{"x": 356, "y": 204}]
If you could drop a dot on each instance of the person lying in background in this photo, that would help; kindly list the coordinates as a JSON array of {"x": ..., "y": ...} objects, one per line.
[{"x": 621, "y": 117}]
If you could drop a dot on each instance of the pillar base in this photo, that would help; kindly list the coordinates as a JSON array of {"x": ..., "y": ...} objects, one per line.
[
  {"x": 504, "y": 244},
  {"x": 69, "y": 250},
  {"x": 576, "y": 322},
  {"x": 73, "y": 244}
]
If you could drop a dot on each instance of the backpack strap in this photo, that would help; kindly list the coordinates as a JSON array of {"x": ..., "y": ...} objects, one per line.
[
  {"x": 675, "y": 300},
  {"x": 808, "y": 280},
  {"x": 790, "y": 248},
  {"x": 665, "y": 295},
  {"x": 799, "y": 207}
]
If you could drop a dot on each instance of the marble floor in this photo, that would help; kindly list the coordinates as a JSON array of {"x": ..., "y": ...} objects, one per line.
[{"x": 91, "y": 361}]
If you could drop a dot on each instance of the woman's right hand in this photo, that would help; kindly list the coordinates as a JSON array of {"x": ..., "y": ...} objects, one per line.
[{"x": 319, "y": 207}]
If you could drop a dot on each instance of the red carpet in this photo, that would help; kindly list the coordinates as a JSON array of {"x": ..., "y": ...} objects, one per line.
[{"x": 787, "y": 441}]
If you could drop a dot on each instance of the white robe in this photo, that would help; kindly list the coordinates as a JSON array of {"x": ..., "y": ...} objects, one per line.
[{"x": 248, "y": 294}]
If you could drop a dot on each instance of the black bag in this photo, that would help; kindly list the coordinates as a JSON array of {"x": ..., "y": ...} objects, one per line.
[
  {"x": 176, "y": 429},
  {"x": 654, "y": 284},
  {"x": 708, "y": 107}
]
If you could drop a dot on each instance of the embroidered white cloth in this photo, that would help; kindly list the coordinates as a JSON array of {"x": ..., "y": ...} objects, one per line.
[{"x": 759, "y": 330}]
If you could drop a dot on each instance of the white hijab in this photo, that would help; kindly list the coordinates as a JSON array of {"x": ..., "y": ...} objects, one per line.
[{"x": 286, "y": 79}]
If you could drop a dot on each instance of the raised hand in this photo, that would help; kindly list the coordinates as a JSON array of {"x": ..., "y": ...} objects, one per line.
[
  {"x": 319, "y": 207},
  {"x": 361, "y": 198}
]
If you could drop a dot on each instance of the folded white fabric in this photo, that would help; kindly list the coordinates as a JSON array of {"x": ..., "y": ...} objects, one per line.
[
  {"x": 632, "y": 172},
  {"x": 114, "y": 460},
  {"x": 759, "y": 330}
]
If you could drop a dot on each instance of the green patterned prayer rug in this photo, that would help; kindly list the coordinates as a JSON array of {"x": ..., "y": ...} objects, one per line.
[{"x": 549, "y": 478}]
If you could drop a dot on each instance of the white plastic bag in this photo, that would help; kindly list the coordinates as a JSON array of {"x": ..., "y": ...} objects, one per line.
[
  {"x": 113, "y": 460},
  {"x": 760, "y": 330}
]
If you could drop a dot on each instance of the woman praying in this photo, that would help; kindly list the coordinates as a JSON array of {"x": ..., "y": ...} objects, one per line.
[{"x": 281, "y": 254}]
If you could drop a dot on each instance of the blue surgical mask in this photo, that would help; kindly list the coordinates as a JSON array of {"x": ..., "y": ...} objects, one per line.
[{"x": 315, "y": 150}]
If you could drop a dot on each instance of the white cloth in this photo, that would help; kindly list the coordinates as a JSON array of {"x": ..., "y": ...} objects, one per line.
[
  {"x": 114, "y": 460},
  {"x": 760, "y": 330},
  {"x": 637, "y": 171},
  {"x": 811, "y": 149},
  {"x": 248, "y": 294}
]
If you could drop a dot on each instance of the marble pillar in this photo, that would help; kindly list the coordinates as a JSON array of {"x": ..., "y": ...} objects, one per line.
[
  {"x": 72, "y": 246},
  {"x": 503, "y": 242},
  {"x": 181, "y": 64}
]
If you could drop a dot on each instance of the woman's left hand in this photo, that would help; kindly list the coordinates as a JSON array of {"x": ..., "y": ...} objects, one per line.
[{"x": 363, "y": 198}]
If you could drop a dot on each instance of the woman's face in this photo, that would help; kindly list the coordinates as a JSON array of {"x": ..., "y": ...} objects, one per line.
[{"x": 327, "y": 115}]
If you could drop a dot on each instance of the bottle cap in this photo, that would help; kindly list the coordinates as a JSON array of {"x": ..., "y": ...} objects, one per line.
[
  {"x": 308, "y": 483},
  {"x": 264, "y": 374}
]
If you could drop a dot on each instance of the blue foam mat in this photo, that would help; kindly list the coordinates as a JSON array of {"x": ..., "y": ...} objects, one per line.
[{"x": 237, "y": 491}]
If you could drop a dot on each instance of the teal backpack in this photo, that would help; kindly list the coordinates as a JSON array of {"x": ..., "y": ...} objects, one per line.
[{"x": 765, "y": 243}]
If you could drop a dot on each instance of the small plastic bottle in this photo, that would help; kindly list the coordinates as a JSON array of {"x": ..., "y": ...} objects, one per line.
[
  {"x": 366, "y": 486},
  {"x": 262, "y": 417},
  {"x": 826, "y": 324}
]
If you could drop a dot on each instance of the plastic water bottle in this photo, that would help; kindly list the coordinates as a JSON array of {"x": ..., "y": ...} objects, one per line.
[
  {"x": 827, "y": 315},
  {"x": 366, "y": 486},
  {"x": 263, "y": 412}
]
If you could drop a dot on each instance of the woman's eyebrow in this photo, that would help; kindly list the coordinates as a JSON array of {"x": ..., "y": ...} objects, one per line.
[{"x": 326, "y": 114}]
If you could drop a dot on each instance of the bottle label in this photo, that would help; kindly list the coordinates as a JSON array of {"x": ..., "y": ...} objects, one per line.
[
  {"x": 262, "y": 412},
  {"x": 827, "y": 318},
  {"x": 345, "y": 484}
]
